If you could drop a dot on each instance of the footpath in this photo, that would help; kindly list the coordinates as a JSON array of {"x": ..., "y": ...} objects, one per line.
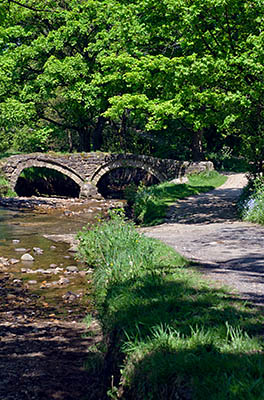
[{"x": 205, "y": 228}]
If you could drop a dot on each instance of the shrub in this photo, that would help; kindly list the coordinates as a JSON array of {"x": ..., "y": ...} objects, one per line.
[
  {"x": 5, "y": 190},
  {"x": 251, "y": 205}
]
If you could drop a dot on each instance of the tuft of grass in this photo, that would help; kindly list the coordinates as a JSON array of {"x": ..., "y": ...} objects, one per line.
[
  {"x": 119, "y": 252},
  {"x": 87, "y": 320},
  {"x": 150, "y": 204},
  {"x": 170, "y": 334}
]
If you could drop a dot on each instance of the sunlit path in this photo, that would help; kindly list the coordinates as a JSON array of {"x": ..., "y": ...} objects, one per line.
[{"x": 206, "y": 229}]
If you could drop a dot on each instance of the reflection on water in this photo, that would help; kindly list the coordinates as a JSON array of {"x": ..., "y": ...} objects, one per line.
[
  {"x": 29, "y": 226},
  {"x": 5, "y": 228}
]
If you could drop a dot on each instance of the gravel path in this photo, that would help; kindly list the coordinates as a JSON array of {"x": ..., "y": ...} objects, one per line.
[{"x": 205, "y": 229}]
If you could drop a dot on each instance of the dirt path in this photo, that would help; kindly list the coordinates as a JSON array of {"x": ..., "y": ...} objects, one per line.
[{"x": 205, "y": 229}]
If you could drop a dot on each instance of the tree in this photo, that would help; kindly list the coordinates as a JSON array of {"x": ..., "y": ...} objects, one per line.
[
  {"x": 209, "y": 73},
  {"x": 49, "y": 63},
  {"x": 111, "y": 73}
]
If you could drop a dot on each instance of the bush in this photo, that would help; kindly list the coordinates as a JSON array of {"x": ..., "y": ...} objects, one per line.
[
  {"x": 252, "y": 202},
  {"x": 224, "y": 160},
  {"x": 5, "y": 190}
]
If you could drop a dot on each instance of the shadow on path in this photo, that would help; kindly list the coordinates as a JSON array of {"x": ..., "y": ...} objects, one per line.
[
  {"x": 216, "y": 206},
  {"x": 244, "y": 274}
]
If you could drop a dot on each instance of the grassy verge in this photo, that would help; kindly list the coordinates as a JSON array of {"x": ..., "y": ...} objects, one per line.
[
  {"x": 169, "y": 334},
  {"x": 251, "y": 204},
  {"x": 150, "y": 204}
]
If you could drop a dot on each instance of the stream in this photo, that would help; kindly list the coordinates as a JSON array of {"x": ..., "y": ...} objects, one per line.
[
  {"x": 55, "y": 277},
  {"x": 45, "y": 341}
]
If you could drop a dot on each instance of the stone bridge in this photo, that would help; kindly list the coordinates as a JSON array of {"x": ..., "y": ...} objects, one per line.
[{"x": 86, "y": 169}]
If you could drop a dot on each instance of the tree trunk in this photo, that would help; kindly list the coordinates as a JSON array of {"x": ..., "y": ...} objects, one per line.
[
  {"x": 123, "y": 130},
  {"x": 70, "y": 140},
  {"x": 197, "y": 147},
  {"x": 85, "y": 140},
  {"x": 97, "y": 137}
]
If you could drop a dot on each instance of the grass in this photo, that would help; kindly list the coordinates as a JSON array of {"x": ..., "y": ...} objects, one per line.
[
  {"x": 170, "y": 334},
  {"x": 251, "y": 203},
  {"x": 150, "y": 204}
]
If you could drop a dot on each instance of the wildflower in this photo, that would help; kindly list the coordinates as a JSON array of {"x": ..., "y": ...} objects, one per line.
[{"x": 250, "y": 204}]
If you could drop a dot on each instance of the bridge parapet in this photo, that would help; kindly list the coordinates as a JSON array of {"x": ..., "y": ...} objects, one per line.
[{"x": 86, "y": 169}]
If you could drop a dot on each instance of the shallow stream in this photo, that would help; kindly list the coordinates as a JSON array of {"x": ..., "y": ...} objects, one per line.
[{"x": 50, "y": 277}]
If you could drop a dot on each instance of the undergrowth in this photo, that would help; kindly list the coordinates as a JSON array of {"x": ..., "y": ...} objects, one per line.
[
  {"x": 170, "y": 334},
  {"x": 5, "y": 190},
  {"x": 251, "y": 204},
  {"x": 150, "y": 204}
]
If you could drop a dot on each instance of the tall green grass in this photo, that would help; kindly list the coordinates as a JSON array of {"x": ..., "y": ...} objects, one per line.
[
  {"x": 170, "y": 335},
  {"x": 150, "y": 204}
]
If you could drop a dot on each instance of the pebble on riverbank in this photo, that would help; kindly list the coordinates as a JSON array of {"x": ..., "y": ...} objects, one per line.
[{"x": 27, "y": 257}]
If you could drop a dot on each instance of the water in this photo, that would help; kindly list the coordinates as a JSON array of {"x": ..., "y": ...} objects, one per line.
[
  {"x": 26, "y": 229},
  {"x": 30, "y": 226}
]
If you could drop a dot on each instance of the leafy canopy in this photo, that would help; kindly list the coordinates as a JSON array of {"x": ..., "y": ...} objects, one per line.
[{"x": 92, "y": 73}]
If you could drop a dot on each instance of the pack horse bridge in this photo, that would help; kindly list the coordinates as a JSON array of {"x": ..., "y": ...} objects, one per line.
[{"x": 86, "y": 169}]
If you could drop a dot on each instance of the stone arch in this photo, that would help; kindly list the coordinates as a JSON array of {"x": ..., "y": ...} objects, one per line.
[
  {"x": 44, "y": 164},
  {"x": 123, "y": 163}
]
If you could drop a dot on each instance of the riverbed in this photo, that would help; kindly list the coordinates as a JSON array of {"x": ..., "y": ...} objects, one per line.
[
  {"x": 45, "y": 342},
  {"x": 55, "y": 275}
]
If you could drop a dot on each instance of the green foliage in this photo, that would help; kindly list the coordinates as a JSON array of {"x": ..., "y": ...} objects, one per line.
[
  {"x": 5, "y": 190},
  {"x": 251, "y": 205},
  {"x": 128, "y": 76},
  {"x": 8, "y": 154},
  {"x": 30, "y": 140},
  {"x": 170, "y": 334},
  {"x": 151, "y": 203},
  {"x": 119, "y": 252},
  {"x": 34, "y": 173},
  {"x": 5, "y": 141},
  {"x": 224, "y": 158}
]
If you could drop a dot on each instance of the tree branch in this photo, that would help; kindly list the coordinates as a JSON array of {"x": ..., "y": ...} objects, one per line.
[
  {"x": 204, "y": 41},
  {"x": 229, "y": 30},
  {"x": 29, "y": 7},
  {"x": 59, "y": 123}
]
